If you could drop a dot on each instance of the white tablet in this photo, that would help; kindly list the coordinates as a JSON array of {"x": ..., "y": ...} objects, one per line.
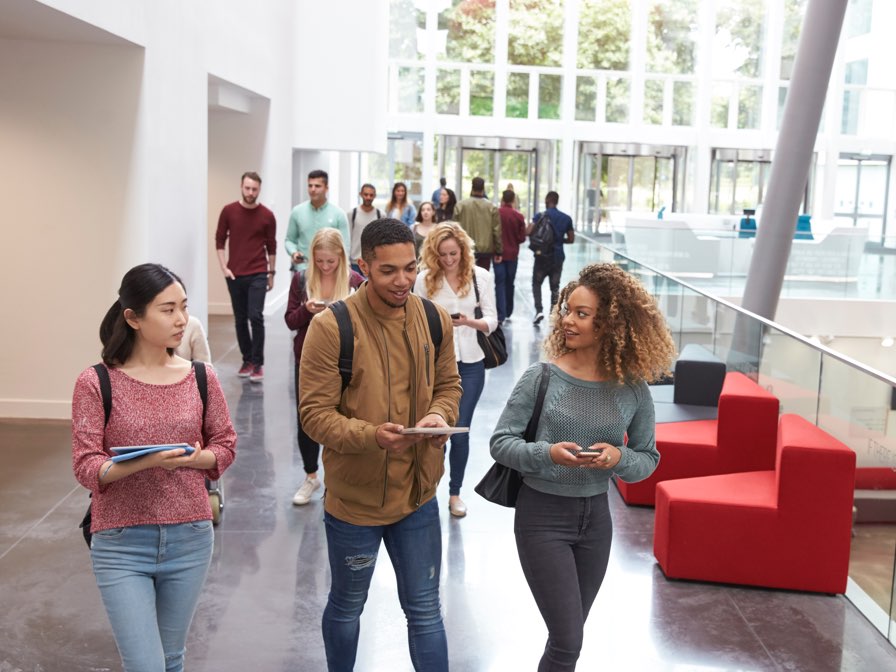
[{"x": 435, "y": 430}]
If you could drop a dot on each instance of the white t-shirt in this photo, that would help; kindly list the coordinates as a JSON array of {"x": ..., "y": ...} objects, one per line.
[{"x": 362, "y": 219}]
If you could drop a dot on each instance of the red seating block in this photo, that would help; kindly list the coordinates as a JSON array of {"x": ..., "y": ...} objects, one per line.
[
  {"x": 785, "y": 528},
  {"x": 742, "y": 438}
]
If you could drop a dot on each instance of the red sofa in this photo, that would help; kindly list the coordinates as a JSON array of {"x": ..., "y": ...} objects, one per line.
[
  {"x": 741, "y": 438},
  {"x": 785, "y": 528}
]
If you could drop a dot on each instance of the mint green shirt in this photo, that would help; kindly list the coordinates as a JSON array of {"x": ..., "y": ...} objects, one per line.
[{"x": 305, "y": 220}]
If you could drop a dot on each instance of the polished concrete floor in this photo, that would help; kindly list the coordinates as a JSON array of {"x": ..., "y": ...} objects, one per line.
[{"x": 262, "y": 604}]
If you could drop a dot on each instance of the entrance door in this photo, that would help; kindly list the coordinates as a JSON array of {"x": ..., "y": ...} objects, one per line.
[
  {"x": 861, "y": 198},
  {"x": 622, "y": 178},
  {"x": 499, "y": 161}
]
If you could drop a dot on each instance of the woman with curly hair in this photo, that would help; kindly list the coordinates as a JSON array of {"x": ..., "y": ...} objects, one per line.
[
  {"x": 452, "y": 280},
  {"x": 608, "y": 340}
]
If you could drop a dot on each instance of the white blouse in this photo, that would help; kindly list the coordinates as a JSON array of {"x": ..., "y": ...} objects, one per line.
[{"x": 466, "y": 346}]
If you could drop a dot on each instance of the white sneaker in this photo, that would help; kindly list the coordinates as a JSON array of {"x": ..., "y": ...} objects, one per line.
[{"x": 303, "y": 494}]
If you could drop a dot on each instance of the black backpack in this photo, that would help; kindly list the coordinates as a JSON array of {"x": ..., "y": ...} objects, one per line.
[
  {"x": 541, "y": 240},
  {"x": 106, "y": 392},
  {"x": 347, "y": 336}
]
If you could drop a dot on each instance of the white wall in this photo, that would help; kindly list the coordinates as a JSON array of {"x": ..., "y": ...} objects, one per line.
[
  {"x": 341, "y": 83},
  {"x": 69, "y": 137}
]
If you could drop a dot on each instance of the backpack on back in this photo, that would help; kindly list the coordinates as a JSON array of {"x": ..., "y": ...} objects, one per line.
[
  {"x": 541, "y": 240},
  {"x": 347, "y": 336}
]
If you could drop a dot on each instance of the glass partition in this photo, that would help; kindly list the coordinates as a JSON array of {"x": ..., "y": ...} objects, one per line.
[{"x": 853, "y": 403}]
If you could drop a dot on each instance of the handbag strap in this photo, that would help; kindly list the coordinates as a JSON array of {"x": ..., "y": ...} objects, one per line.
[
  {"x": 532, "y": 427},
  {"x": 477, "y": 311}
]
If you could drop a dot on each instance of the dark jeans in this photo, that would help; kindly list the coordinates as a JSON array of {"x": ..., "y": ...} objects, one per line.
[
  {"x": 472, "y": 380},
  {"x": 550, "y": 268},
  {"x": 414, "y": 544},
  {"x": 484, "y": 259},
  {"x": 505, "y": 275},
  {"x": 308, "y": 447},
  {"x": 247, "y": 293},
  {"x": 564, "y": 548}
]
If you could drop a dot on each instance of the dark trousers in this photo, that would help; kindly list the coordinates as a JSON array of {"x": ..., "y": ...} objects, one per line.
[
  {"x": 247, "y": 294},
  {"x": 308, "y": 447},
  {"x": 505, "y": 276},
  {"x": 484, "y": 259},
  {"x": 550, "y": 268},
  {"x": 564, "y": 548}
]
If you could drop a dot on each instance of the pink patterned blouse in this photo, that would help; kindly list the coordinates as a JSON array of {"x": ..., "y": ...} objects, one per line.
[{"x": 146, "y": 414}]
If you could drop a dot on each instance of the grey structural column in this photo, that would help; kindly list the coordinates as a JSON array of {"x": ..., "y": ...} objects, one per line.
[
  {"x": 793, "y": 154},
  {"x": 817, "y": 48}
]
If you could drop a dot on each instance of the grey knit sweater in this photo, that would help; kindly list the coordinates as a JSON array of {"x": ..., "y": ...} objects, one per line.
[{"x": 585, "y": 413}]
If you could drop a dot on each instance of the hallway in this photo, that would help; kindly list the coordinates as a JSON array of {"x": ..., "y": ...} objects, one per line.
[{"x": 267, "y": 587}]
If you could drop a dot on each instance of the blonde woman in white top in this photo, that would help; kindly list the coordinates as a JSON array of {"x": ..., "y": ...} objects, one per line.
[{"x": 447, "y": 279}]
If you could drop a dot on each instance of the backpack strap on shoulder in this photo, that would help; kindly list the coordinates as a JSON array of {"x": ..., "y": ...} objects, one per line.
[
  {"x": 105, "y": 389},
  {"x": 346, "y": 341},
  {"x": 202, "y": 384},
  {"x": 435, "y": 325},
  {"x": 354, "y": 212}
]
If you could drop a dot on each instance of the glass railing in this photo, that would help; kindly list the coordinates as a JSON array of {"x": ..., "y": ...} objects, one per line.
[
  {"x": 837, "y": 264},
  {"x": 848, "y": 400}
]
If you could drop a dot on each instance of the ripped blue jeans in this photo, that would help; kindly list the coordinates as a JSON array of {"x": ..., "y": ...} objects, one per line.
[{"x": 414, "y": 544}]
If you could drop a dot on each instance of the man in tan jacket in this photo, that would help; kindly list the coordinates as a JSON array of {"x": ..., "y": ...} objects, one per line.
[{"x": 381, "y": 482}]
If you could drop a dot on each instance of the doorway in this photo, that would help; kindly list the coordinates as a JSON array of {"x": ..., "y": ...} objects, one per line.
[
  {"x": 615, "y": 178},
  {"x": 520, "y": 162},
  {"x": 861, "y": 195}
]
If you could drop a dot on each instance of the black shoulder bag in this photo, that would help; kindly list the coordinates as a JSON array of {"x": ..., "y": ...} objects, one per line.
[
  {"x": 501, "y": 484},
  {"x": 493, "y": 345}
]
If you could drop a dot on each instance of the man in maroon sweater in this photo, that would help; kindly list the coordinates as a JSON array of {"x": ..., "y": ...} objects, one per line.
[
  {"x": 248, "y": 267},
  {"x": 513, "y": 232}
]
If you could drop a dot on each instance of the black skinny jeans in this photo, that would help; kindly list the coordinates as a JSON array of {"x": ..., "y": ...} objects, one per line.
[
  {"x": 550, "y": 268},
  {"x": 308, "y": 447},
  {"x": 564, "y": 548}
]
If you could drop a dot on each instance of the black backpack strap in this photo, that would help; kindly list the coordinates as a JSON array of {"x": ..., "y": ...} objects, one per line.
[
  {"x": 354, "y": 211},
  {"x": 532, "y": 427},
  {"x": 379, "y": 215},
  {"x": 105, "y": 389},
  {"x": 202, "y": 384},
  {"x": 346, "y": 341},
  {"x": 435, "y": 325}
]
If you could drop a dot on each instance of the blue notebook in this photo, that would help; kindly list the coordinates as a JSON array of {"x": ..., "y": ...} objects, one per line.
[{"x": 129, "y": 452}]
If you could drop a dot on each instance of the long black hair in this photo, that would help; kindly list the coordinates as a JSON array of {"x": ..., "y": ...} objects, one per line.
[{"x": 139, "y": 287}]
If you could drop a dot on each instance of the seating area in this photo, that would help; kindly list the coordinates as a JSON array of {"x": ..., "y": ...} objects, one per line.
[
  {"x": 741, "y": 438},
  {"x": 694, "y": 392},
  {"x": 786, "y": 527}
]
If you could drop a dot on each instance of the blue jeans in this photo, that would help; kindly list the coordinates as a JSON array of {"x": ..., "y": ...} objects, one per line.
[
  {"x": 150, "y": 578},
  {"x": 564, "y": 548},
  {"x": 414, "y": 544},
  {"x": 505, "y": 275},
  {"x": 247, "y": 293},
  {"x": 472, "y": 380}
]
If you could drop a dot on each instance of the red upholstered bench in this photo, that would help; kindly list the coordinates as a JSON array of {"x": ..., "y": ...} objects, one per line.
[
  {"x": 742, "y": 438},
  {"x": 785, "y": 528}
]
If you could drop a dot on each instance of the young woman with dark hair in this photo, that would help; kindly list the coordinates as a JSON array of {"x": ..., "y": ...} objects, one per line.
[
  {"x": 424, "y": 224},
  {"x": 399, "y": 207},
  {"x": 151, "y": 518},
  {"x": 608, "y": 340},
  {"x": 447, "y": 202}
]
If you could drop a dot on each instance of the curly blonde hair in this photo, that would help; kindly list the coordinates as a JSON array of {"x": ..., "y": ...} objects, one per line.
[
  {"x": 429, "y": 255},
  {"x": 634, "y": 341}
]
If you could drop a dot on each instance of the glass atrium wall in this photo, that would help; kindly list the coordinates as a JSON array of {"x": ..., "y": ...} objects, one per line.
[{"x": 708, "y": 76}]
